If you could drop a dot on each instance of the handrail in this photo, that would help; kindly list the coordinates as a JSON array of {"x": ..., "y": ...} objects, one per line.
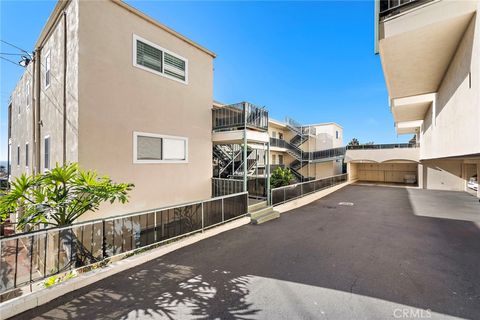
[
  {"x": 121, "y": 216},
  {"x": 291, "y": 192},
  {"x": 60, "y": 249},
  {"x": 384, "y": 146}
]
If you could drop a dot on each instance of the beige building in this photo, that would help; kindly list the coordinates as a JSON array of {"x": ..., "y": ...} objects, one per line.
[
  {"x": 311, "y": 151},
  {"x": 430, "y": 53},
  {"x": 118, "y": 92}
]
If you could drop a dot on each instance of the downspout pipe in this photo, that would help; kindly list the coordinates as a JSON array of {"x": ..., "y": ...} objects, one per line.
[
  {"x": 37, "y": 124},
  {"x": 64, "y": 87}
]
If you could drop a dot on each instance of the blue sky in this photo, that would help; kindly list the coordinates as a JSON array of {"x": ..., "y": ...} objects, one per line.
[{"x": 312, "y": 61}]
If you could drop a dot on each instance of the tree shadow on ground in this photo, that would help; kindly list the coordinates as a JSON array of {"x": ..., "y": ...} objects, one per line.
[{"x": 165, "y": 291}]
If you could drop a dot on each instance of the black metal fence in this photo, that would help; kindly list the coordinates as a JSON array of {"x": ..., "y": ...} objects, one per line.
[
  {"x": 33, "y": 256},
  {"x": 328, "y": 153},
  {"x": 298, "y": 190},
  {"x": 223, "y": 187}
]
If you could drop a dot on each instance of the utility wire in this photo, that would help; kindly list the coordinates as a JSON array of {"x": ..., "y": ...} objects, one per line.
[
  {"x": 11, "y": 54},
  {"x": 15, "y": 63},
  {"x": 16, "y": 47}
]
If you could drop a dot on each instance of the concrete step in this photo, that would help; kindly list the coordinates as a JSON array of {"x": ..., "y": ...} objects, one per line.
[
  {"x": 266, "y": 217},
  {"x": 259, "y": 213},
  {"x": 257, "y": 206}
]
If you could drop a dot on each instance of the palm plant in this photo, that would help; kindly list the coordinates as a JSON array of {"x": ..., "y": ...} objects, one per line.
[{"x": 59, "y": 196}]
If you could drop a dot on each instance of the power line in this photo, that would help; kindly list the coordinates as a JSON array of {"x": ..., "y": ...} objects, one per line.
[
  {"x": 15, "y": 63},
  {"x": 11, "y": 54},
  {"x": 10, "y": 44}
]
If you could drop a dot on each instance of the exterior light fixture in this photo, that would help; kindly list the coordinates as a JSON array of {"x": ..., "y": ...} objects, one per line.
[{"x": 25, "y": 61}]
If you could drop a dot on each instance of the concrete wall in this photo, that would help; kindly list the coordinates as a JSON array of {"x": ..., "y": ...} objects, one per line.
[
  {"x": 118, "y": 99},
  {"x": 22, "y": 124},
  {"x": 326, "y": 136},
  {"x": 51, "y": 99},
  {"x": 384, "y": 172},
  {"x": 451, "y": 126}
]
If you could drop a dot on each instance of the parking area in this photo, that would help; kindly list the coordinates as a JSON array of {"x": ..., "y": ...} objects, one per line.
[{"x": 363, "y": 252}]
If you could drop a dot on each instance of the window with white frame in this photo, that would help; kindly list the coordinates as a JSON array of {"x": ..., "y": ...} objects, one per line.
[
  {"x": 336, "y": 134},
  {"x": 47, "y": 70},
  {"x": 26, "y": 155},
  {"x": 18, "y": 155},
  {"x": 156, "y": 148},
  {"x": 151, "y": 57},
  {"x": 46, "y": 153},
  {"x": 27, "y": 93}
]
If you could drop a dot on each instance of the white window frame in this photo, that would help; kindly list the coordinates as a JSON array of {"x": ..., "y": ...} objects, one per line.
[
  {"x": 27, "y": 94},
  {"x": 134, "y": 56},
  {"x": 48, "y": 63},
  {"x": 161, "y": 136},
  {"x": 19, "y": 152},
  {"x": 45, "y": 169},
  {"x": 27, "y": 154}
]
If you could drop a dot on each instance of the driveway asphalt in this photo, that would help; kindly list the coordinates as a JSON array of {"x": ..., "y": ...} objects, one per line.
[{"x": 395, "y": 253}]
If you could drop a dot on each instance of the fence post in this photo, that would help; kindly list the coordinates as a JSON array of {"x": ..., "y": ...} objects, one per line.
[
  {"x": 223, "y": 210},
  {"x": 31, "y": 258},
  {"x": 155, "y": 226},
  {"x": 104, "y": 241},
  {"x": 203, "y": 219}
]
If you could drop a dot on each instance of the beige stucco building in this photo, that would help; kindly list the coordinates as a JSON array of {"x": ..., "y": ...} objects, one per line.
[
  {"x": 298, "y": 147},
  {"x": 430, "y": 53},
  {"x": 118, "y": 92}
]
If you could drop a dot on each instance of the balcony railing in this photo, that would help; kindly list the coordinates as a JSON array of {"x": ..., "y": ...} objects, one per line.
[
  {"x": 384, "y": 146},
  {"x": 34, "y": 256},
  {"x": 328, "y": 153},
  {"x": 393, "y": 7},
  {"x": 238, "y": 116}
]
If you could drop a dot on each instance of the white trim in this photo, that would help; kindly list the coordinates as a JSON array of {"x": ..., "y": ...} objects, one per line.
[
  {"x": 134, "y": 59},
  {"x": 28, "y": 94},
  {"x": 161, "y": 136},
  {"x": 48, "y": 57}
]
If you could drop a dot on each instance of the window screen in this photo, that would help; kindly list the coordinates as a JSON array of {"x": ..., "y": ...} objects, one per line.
[
  {"x": 149, "y": 56},
  {"x": 174, "y": 67},
  {"x": 149, "y": 148}
]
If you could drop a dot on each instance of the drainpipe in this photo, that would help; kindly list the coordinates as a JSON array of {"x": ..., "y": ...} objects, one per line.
[
  {"x": 37, "y": 126},
  {"x": 32, "y": 103},
  {"x": 64, "y": 88}
]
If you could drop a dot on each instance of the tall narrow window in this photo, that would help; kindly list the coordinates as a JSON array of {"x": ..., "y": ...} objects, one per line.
[
  {"x": 27, "y": 93},
  {"x": 46, "y": 164},
  {"x": 47, "y": 70},
  {"x": 336, "y": 134},
  {"x": 151, "y": 57},
  {"x": 18, "y": 155},
  {"x": 26, "y": 155},
  {"x": 274, "y": 159}
]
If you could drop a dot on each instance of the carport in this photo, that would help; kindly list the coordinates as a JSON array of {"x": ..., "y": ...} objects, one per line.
[
  {"x": 387, "y": 172},
  {"x": 384, "y": 163}
]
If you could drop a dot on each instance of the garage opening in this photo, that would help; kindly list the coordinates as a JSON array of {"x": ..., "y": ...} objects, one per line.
[{"x": 396, "y": 173}]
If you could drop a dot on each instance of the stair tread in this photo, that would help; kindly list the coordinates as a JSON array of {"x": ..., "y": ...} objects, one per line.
[{"x": 272, "y": 215}]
